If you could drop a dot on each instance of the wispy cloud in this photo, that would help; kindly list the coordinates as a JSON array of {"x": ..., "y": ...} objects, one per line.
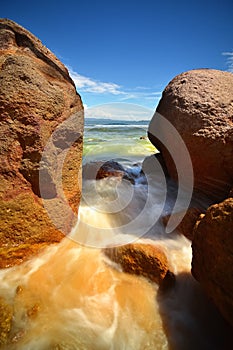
[
  {"x": 119, "y": 111},
  {"x": 137, "y": 95},
  {"x": 121, "y": 94},
  {"x": 87, "y": 84},
  {"x": 229, "y": 56}
]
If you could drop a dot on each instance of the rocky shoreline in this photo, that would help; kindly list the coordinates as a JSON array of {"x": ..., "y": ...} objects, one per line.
[{"x": 38, "y": 95}]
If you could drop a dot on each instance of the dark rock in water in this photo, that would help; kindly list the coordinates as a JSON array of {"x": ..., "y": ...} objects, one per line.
[
  {"x": 212, "y": 263},
  {"x": 186, "y": 226},
  {"x": 36, "y": 95},
  {"x": 168, "y": 282},
  {"x": 142, "y": 259},
  {"x": 150, "y": 164},
  {"x": 99, "y": 170},
  {"x": 199, "y": 104}
]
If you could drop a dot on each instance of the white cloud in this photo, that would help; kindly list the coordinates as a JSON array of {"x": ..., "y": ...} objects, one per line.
[
  {"x": 119, "y": 111},
  {"x": 87, "y": 84},
  {"x": 139, "y": 94},
  {"x": 229, "y": 60}
]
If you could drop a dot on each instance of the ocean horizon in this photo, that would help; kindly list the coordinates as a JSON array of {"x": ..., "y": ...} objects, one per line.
[{"x": 113, "y": 139}]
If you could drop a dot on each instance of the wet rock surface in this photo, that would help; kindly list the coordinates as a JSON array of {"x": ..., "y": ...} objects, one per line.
[
  {"x": 98, "y": 170},
  {"x": 143, "y": 259}
]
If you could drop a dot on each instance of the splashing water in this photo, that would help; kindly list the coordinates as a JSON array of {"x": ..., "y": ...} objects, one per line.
[
  {"x": 69, "y": 298},
  {"x": 72, "y": 297}
]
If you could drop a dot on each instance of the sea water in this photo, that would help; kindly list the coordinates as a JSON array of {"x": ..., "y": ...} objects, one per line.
[
  {"x": 72, "y": 297},
  {"x": 118, "y": 139}
]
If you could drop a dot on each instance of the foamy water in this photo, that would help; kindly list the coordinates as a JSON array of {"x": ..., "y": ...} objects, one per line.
[
  {"x": 72, "y": 297},
  {"x": 80, "y": 302}
]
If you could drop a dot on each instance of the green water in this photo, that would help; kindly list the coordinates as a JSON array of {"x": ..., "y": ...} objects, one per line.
[{"x": 123, "y": 140}]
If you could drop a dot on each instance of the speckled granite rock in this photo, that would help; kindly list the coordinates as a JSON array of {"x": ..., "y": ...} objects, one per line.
[
  {"x": 199, "y": 104},
  {"x": 36, "y": 95}
]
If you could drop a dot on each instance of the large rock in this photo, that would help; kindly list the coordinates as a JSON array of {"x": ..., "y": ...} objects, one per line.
[
  {"x": 143, "y": 259},
  {"x": 36, "y": 95},
  {"x": 199, "y": 104},
  {"x": 212, "y": 263}
]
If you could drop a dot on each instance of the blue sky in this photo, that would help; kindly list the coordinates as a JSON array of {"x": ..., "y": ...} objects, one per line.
[{"x": 127, "y": 51}]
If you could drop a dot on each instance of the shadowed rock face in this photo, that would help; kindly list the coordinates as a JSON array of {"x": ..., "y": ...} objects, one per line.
[
  {"x": 199, "y": 104},
  {"x": 212, "y": 263},
  {"x": 36, "y": 95},
  {"x": 188, "y": 222}
]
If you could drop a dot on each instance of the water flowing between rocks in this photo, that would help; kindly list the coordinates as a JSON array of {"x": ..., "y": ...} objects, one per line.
[{"x": 72, "y": 297}]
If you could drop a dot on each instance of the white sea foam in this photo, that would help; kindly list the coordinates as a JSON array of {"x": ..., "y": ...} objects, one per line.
[{"x": 85, "y": 303}]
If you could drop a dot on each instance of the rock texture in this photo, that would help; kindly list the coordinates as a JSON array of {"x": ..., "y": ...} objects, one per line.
[
  {"x": 143, "y": 259},
  {"x": 212, "y": 263},
  {"x": 6, "y": 318},
  {"x": 199, "y": 104},
  {"x": 36, "y": 95}
]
